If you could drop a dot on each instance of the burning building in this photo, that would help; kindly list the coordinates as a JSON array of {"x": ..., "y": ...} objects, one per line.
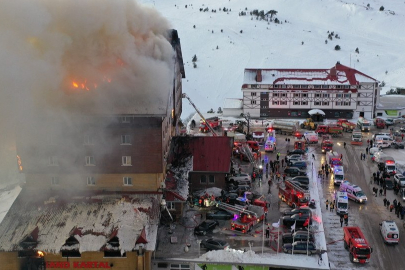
[{"x": 95, "y": 122}]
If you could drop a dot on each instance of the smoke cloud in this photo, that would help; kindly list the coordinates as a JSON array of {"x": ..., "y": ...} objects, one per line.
[{"x": 64, "y": 57}]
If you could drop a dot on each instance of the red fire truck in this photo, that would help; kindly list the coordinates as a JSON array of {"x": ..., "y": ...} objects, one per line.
[
  {"x": 327, "y": 144},
  {"x": 299, "y": 144},
  {"x": 293, "y": 195},
  {"x": 321, "y": 129},
  {"x": 247, "y": 218},
  {"x": 214, "y": 122},
  {"x": 356, "y": 243},
  {"x": 379, "y": 123},
  {"x": 333, "y": 130}
]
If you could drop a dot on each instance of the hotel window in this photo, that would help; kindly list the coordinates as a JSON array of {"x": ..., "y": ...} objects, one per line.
[
  {"x": 88, "y": 140},
  {"x": 179, "y": 267},
  {"x": 264, "y": 107},
  {"x": 294, "y": 113},
  {"x": 337, "y": 114},
  {"x": 55, "y": 180},
  {"x": 325, "y": 103},
  {"x": 304, "y": 95},
  {"x": 347, "y": 103},
  {"x": 127, "y": 181},
  {"x": 170, "y": 205},
  {"x": 338, "y": 103},
  {"x": 318, "y": 95},
  {"x": 203, "y": 179},
  {"x": 125, "y": 139},
  {"x": 338, "y": 87},
  {"x": 304, "y": 86},
  {"x": 317, "y": 86},
  {"x": 283, "y": 94},
  {"x": 339, "y": 95},
  {"x": 379, "y": 114},
  {"x": 275, "y": 102},
  {"x": 211, "y": 179},
  {"x": 253, "y": 102},
  {"x": 325, "y": 95},
  {"x": 304, "y": 102},
  {"x": 317, "y": 103},
  {"x": 254, "y": 86},
  {"x": 283, "y": 102},
  {"x": 126, "y": 161},
  {"x": 90, "y": 161},
  {"x": 126, "y": 119},
  {"x": 348, "y": 95},
  {"x": 358, "y": 95},
  {"x": 296, "y": 95},
  {"x": 275, "y": 94},
  {"x": 91, "y": 181},
  {"x": 325, "y": 86},
  {"x": 296, "y": 103},
  {"x": 253, "y": 93},
  {"x": 53, "y": 161}
]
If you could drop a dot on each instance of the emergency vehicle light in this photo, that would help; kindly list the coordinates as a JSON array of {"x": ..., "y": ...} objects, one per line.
[{"x": 390, "y": 162}]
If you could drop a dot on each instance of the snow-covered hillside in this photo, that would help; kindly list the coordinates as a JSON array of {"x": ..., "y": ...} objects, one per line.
[{"x": 298, "y": 41}]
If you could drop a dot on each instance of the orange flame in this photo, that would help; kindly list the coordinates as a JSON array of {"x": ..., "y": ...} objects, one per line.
[{"x": 88, "y": 86}]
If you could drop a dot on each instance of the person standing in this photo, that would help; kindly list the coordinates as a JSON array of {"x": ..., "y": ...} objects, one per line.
[
  {"x": 346, "y": 218},
  {"x": 327, "y": 204},
  {"x": 361, "y": 156},
  {"x": 344, "y": 146},
  {"x": 282, "y": 163},
  {"x": 366, "y": 150},
  {"x": 268, "y": 232},
  {"x": 385, "y": 201},
  {"x": 341, "y": 221},
  {"x": 330, "y": 206}
]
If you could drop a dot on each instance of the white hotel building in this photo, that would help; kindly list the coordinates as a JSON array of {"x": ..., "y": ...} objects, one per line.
[{"x": 340, "y": 92}]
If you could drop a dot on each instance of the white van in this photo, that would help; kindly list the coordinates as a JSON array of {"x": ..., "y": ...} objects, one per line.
[
  {"x": 338, "y": 175},
  {"x": 342, "y": 203},
  {"x": 389, "y": 232},
  {"x": 353, "y": 192},
  {"x": 375, "y": 136}
]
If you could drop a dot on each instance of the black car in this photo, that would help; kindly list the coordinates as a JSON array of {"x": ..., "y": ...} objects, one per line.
[
  {"x": 230, "y": 197},
  {"x": 289, "y": 238},
  {"x": 299, "y": 164},
  {"x": 301, "y": 179},
  {"x": 298, "y": 219},
  {"x": 296, "y": 151},
  {"x": 214, "y": 244},
  {"x": 301, "y": 247},
  {"x": 205, "y": 227},
  {"x": 293, "y": 171},
  {"x": 219, "y": 214},
  {"x": 302, "y": 210},
  {"x": 389, "y": 184}
]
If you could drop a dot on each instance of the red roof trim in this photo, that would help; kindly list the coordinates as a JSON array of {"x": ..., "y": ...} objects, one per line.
[{"x": 142, "y": 238}]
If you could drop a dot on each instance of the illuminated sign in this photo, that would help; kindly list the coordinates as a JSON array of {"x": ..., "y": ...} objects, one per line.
[{"x": 82, "y": 265}]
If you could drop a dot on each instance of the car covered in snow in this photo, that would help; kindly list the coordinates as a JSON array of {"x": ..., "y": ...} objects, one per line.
[
  {"x": 301, "y": 210},
  {"x": 301, "y": 247},
  {"x": 298, "y": 219},
  {"x": 399, "y": 179}
]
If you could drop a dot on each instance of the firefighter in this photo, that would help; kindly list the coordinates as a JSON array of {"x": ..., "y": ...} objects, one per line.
[{"x": 327, "y": 204}]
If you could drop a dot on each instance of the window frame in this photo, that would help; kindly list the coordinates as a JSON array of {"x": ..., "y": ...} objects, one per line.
[
  {"x": 55, "y": 181},
  {"x": 125, "y": 159},
  {"x": 90, "y": 161},
  {"x": 127, "y": 181},
  {"x": 203, "y": 179},
  {"x": 126, "y": 139},
  {"x": 53, "y": 161},
  {"x": 91, "y": 183}
]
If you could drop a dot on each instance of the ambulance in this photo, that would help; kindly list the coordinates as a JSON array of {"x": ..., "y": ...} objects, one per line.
[
  {"x": 342, "y": 203},
  {"x": 338, "y": 175},
  {"x": 389, "y": 232},
  {"x": 354, "y": 192}
]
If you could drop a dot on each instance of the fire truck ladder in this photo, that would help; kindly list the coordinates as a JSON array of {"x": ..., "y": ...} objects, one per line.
[
  {"x": 248, "y": 152},
  {"x": 184, "y": 95},
  {"x": 235, "y": 209},
  {"x": 296, "y": 187}
]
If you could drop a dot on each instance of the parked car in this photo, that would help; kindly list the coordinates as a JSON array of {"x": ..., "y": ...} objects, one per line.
[
  {"x": 240, "y": 177},
  {"x": 402, "y": 129},
  {"x": 301, "y": 247},
  {"x": 297, "y": 219},
  {"x": 239, "y": 189},
  {"x": 301, "y": 210},
  {"x": 300, "y": 164},
  {"x": 219, "y": 214},
  {"x": 401, "y": 193},
  {"x": 294, "y": 156},
  {"x": 301, "y": 185},
  {"x": 293, "y": 171},
  {"x": 205, "y": 227},
  {"x": 303, "y": 179},
  {"x": 389, "y": 184},
  {"x": 214, "y": 244},
  {"x": 389, "y": 122},
  {"x": 289, "y": 238},
  {"x": 292, "y": 160},
  {"x": 399, "y": 179},
  {"x": 296, "y": 151},
  {"x": 397, "y": 145}
]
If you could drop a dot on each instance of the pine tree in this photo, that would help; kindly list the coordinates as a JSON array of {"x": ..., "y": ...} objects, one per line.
[
  {"x": 337, "y": 48},
  {"x": 194, "y": 58},
  {"x": 357, "y": 50},
  {"x": 382, "y": 8}
]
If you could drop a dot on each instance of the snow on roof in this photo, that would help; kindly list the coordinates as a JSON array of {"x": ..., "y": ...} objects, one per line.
[
  {"x": 339, "y": 74},
  {"x": 179, "y": 175},
  {"x": 233, "y": 103},
  {"x": 92, "y": 220}
]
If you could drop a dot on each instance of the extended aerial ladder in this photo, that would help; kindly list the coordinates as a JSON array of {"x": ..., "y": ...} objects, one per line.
[
  {"x": 184, "y": 95},
  {"x": 235, "y": 209},
  {"x": 296, "y": 187}
]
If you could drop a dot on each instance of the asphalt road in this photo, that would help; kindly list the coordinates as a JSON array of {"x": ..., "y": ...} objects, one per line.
[{"x": 366, "y": 216}]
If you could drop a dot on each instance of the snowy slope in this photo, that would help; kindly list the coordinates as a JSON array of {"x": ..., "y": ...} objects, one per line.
[{"x": 377, "y": 34}]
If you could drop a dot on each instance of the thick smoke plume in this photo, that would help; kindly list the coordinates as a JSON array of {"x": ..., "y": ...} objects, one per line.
[{"x": 68, "y": 56}]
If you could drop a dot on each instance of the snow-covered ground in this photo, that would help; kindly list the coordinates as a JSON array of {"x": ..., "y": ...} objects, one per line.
[
  {"x": 226, "y": 43},
  {"x": 7, "y": 197}
]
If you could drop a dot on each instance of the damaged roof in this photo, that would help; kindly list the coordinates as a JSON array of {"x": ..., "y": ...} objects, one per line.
[{"x": 44, "y": 221}]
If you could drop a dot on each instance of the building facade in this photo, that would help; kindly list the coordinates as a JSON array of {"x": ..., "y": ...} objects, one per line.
[{"x": 341, "y": 92}]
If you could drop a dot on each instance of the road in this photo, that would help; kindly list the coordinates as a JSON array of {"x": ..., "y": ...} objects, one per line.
[{"x": 366, "y": 216}]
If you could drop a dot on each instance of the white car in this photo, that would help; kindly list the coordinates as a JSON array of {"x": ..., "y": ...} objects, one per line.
[
  {"x": 374, "y": 150},
  {"x": 399, "y": 179},
  {"x": 297, "y": 157},
  {"x": 240, "y": 177}
]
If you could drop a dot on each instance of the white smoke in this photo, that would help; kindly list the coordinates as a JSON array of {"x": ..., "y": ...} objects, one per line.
[{"x": 52, "y": 51}]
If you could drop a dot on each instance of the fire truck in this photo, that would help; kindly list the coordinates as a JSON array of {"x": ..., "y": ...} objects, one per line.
[
  {"x": 346, "y": 125},
  {"x": 293, "y": 195},
  {"x": 214, "y": 122},
  {"x": 356, "y": 243},
  {"x": 247, "y": 219},
  {"x": 299, "y": 144},
  {"x": 379, "y": 123},
  {"x": 327, "y": 144},
  {"x": 321, "y": 129},
  {"x": 333, "y": 130}
]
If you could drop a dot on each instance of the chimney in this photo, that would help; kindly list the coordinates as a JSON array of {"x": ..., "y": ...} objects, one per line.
[
  {"x": 333, "y": 75},
  {"x": 258, "y": 75}
]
